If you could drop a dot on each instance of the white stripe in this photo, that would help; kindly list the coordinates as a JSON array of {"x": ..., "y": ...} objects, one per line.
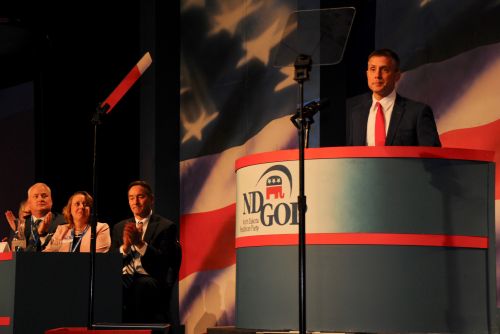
[
  {"x": 463, "y": 90},
  {"x": 218, "y": 190},
  {"x": 144, "y": 63},
  {"x": 217, "y": 299}
]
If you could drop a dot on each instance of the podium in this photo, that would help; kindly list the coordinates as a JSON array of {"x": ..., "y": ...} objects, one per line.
[
  {"x": 398, "y": 239},
  {"x": 42, "y": 291}
]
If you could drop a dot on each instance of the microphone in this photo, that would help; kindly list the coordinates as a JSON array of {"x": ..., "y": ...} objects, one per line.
[
  {"x": 309, "y": 110},
  {"x": 312, "y": 107}
]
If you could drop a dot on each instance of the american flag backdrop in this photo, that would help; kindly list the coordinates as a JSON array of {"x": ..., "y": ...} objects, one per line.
[{"x": 234, "y": 102}]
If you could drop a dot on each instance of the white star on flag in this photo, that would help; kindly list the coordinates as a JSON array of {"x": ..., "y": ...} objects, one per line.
[
  {"x": 194, "y": 129},
  {"x": 229, "y": 19}
]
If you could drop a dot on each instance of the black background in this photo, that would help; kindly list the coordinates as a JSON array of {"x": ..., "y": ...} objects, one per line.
[{"x": 76, "y": 53}]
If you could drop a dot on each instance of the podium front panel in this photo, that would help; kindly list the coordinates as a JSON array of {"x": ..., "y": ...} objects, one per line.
[
  {"x": 7, "y": 274},
  {"x": 394, "y": 243},
  {"x": 51, "y": 290}
]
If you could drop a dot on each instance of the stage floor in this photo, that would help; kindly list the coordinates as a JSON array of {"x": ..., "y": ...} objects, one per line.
[{"x": 234, "y": 330}]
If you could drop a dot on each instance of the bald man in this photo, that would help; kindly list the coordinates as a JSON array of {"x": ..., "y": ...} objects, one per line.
[{"x": 42, "y": 223}]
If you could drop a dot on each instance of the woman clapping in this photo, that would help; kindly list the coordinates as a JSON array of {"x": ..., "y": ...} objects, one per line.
[{"x": 74, "y": 236}]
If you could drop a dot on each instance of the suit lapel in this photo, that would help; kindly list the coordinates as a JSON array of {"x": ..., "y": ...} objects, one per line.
[
  {"x": 397, "y": 114},
  {"x": 362, "y": 112},
  {"x": 151, "y": 228},
  {"x": 52, "y": 224},
  {"x": 27, "y": 227}
]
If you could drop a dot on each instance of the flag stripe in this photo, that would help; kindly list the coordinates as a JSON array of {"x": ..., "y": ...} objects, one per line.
[
  {"x": 207, "y": 240},
  {"x": 459, "y": 99},
  {"x": 435, "y": 240},
  {"x": 221, "y": 283},
  {"x": 208, "y": 183},
  {"x": 481, "y": 137}
]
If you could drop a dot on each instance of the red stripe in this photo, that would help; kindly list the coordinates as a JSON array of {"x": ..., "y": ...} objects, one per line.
[
  {"x": 483, "y": 137},
  {"x": 367, "y": 152},
  {"x": 207, "y": 240},
  {"x": 122, "y": 88},
  {"x": 4, "y": 321},
  {"x": 73, "y": 330},
  {"x": 7, "y": 256},
  {"x": 436, "y": 240}
]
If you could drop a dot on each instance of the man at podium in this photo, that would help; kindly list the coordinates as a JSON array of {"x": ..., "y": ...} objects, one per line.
[{"x": 385, "y": 118}]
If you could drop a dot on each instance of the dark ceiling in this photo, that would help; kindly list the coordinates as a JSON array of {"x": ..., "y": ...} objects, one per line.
[
  {"x": 22, "y": 46},
  {"x": 45, "y": 35}
]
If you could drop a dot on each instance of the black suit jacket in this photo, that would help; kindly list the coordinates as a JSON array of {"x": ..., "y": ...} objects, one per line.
[
  {"x": 57, "y": 219},
  {"x": 161, "y": 237},
  {"x": 412, "y": 123}
]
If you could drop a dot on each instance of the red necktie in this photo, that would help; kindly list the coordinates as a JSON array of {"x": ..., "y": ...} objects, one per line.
[{"x": 379, "y": 126}]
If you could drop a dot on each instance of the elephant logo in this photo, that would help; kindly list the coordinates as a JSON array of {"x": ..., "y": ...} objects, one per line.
[
  {"x": 274, "y": 187},
  {"x": 274, "y": 183}
]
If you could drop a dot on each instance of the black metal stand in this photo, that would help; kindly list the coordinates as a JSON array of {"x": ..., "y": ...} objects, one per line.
[
  {"x": 96, "y": 121},
  {"x": 308, "y": 112},
  {"x": 302, "y": 65}
]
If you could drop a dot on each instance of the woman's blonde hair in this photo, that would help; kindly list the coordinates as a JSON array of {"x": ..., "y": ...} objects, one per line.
[{"x": 67, "y": 209}]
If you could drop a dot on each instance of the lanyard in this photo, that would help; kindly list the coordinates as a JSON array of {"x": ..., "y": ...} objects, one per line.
[{"x": 79, "y": 240}]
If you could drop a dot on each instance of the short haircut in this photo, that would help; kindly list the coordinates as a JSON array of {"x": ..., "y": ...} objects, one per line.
[
  {"x": 386, "y": 53},
  {"x": 143, "y": 184},
  {"x": 40, "y": 184}
]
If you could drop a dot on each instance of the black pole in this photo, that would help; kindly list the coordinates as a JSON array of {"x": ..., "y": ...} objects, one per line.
[
  {"x": 96, "y": 121},
  {"x": 302, "y": 68},
  {"x": 302, "y": 220}
]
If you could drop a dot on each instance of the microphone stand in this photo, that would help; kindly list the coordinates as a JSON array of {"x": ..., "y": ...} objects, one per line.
[
  {"x": 302, "y": 66},
  {"x": 96, "y": 121},
  {"x": 103, "y": 108},
  {"x": 308, "y": 112}
]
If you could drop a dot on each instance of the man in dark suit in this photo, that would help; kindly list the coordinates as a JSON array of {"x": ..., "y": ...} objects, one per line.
[
  {"x": 383, "y": 117},
  {"x": 148, "y": 243},
  {"x": 42, "y": 223}
]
